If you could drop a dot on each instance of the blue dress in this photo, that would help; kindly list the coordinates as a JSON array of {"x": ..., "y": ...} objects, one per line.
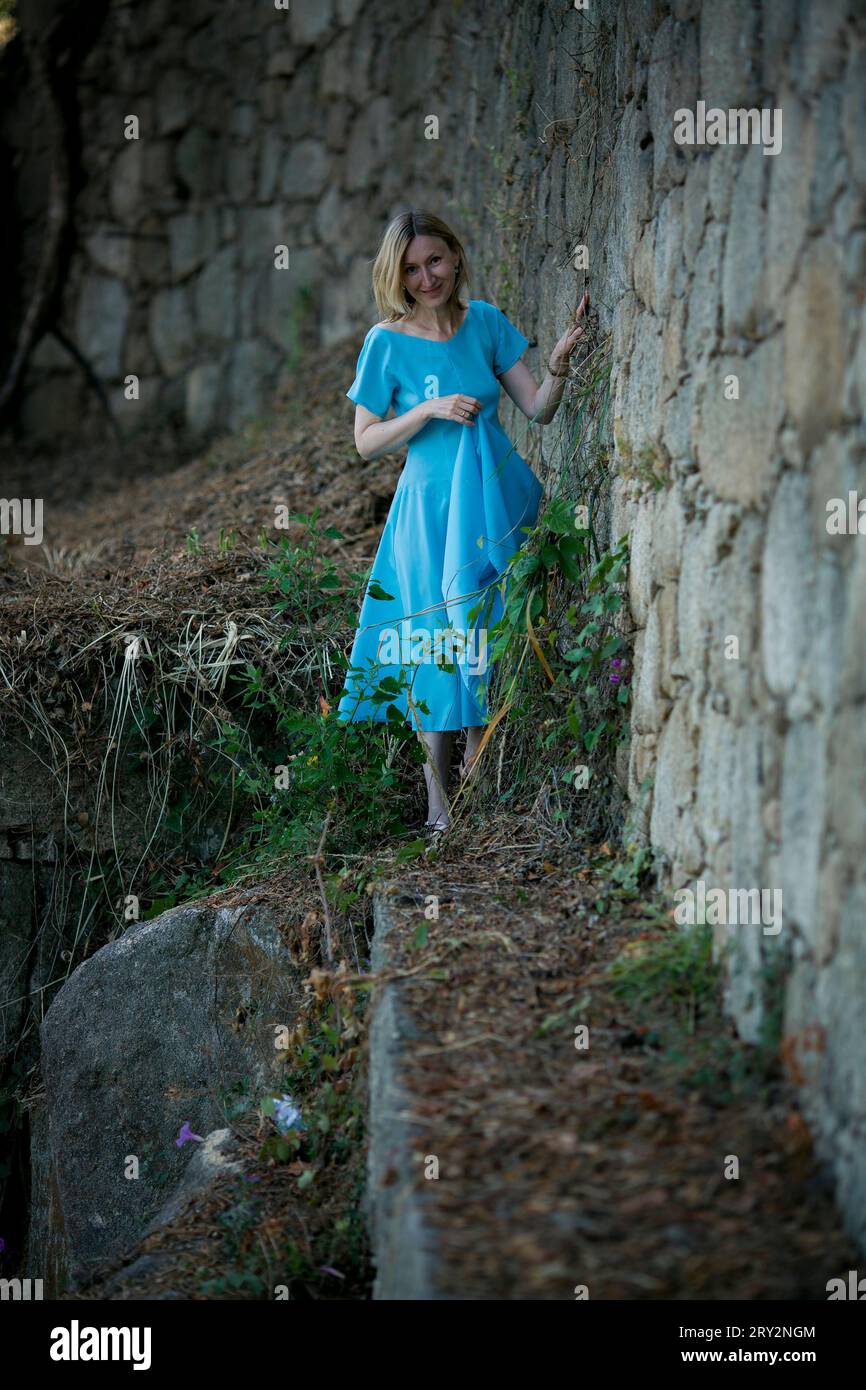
[{"x": 454, "y": 523}]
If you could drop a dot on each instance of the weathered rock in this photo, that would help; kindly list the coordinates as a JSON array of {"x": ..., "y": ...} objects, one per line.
[
  {"x": 202, "y": 396},
  {"x": 736, "y": 438},
  {"x": 193, "y": 238},
  {"x": 172, "y": 330},
  {"x": 402, "y": 1243},
  {"x": 215, "y": 295},
  {"x": 815, "y": 344},
  {"x": 103, "y": 311},
  {"x": 156, "y": 1030}
]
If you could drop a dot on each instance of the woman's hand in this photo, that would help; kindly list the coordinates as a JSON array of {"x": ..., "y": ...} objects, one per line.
[
  {"x": 462, "y": 409},
  {"x": 558, "y": 364}
]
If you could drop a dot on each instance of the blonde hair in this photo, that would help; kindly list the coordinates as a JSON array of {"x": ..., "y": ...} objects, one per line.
[{"x": 392, "y": 299}]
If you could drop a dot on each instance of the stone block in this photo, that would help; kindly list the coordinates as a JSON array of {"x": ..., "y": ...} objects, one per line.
[
  {"x": 694, "y": 610},
  {"x": 198, "y": 162},
  {"x": 192, "y": 238},
  {"x": 696, "y": 202},
  {"x": 851, "y": 652},
  {"x": 790, "y": 177},
  {"x": 788, "y": 619},
  {"x": 125, "y": 187},
  {"x": 854, "y": 111},
  {"x": 729, "y": 51},
  {"x": 110, "y": 252},
  {"x": 673, "y": 364},
  {"x": 272, "y": 156},
  {"x": 240, "y": 168},
  {"x": 641, "y": 409},
  {"x": 803, "y": 810},
  {"x": 252, "y": 370},
  {"x": 703, "y": 300},
  {"x": 157, "y": 175},
  {"x": 624, "y": 319},
  {"x": 150, "y": 252},
  {"x": 666, "y": 604},
  {"x": 736, "y": 441},
  {"x": 306, "y": 170},
  {"x": 678, "y": 413},
  {"x": 632, "y": 175},
  {"x": 668, "y": 250},
  {"x": 101, "y": 323},
  {"x": 816, "y": 344},
  {"x": 830, "y": 172},
  {"x": 215, "y": 297},
  {"x": 203, "y": 396},
  {"x": 744, "y": 308},
  {"x": 656, "y": 652},
  {"x": 643, "y": 268},
  {"x": 172, "y": 330},
  {"x": 724, "y": 163},
  {"x": 714, "y": 807},
  {"x": 640, "y": 560},
  {"x": 846, "y": 775},
  {"x": 672, "y": 84},
  {"x": 310, "y": 23},
  {"x": 668, "y": 533},
  {"x": 736, "y": 613},
  {"x": 175, "y": 91},
  {"x": 823, "y": 42},
  {"x": 371, "y": 141},
  {"x": 348, "y": 10},
  {"x": 778, "y": 32},
  {"x": 675, "y": 771},
  {"x": 261, "y": 229},
  {"x": 244, "y": 121}
]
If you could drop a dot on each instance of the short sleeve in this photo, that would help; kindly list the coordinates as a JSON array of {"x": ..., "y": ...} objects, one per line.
[
  {"x": 374, "y": 382},
  {"x": 510, "y": 344}
]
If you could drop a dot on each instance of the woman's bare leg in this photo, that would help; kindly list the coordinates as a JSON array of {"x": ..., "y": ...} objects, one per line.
[
  {"x": 438, "y": 745},
  {"x": 474, "y": 736}
]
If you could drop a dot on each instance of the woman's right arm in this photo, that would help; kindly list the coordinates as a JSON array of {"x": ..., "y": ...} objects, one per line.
[{"x": 375, "y": 436}]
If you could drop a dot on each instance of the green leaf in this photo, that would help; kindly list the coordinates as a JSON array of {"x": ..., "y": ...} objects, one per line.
[
  {"x": 558, "y": 517},
  {"x": 526, "y": 565},
  {"x": 375, "y": 590},
  {"x": 410, "y": 851}
]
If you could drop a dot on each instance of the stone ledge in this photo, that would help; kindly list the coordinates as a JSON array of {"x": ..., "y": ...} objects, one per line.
[{"x": 402, "y": 1242}]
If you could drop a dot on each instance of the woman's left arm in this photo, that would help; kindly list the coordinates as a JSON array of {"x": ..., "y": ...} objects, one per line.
[{"x": 540, "y": 403}]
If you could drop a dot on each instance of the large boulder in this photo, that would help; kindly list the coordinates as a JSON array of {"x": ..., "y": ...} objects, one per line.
[{"x": 164, "y": 1027}]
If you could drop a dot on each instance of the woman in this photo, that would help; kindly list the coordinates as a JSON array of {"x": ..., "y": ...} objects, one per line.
[{"x": 455, "y": 522}]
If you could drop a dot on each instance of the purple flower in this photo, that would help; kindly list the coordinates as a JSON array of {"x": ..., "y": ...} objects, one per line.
[
  {"x": 186, "y": 1135},
  {"x": 618, "y": 670},
  {"x": 329, "y": 1269},
  {"x": 251, "y": 1177}
]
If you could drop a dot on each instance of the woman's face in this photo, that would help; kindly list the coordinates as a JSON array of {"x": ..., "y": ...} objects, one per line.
[{"x": 430, "y": 270}]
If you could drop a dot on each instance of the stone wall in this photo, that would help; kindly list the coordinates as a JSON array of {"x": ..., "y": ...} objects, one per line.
[
  {"x": 747, "y": 764},
  {"x": 258, "y": 128},
  {"x": 733, "y": 263}
]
